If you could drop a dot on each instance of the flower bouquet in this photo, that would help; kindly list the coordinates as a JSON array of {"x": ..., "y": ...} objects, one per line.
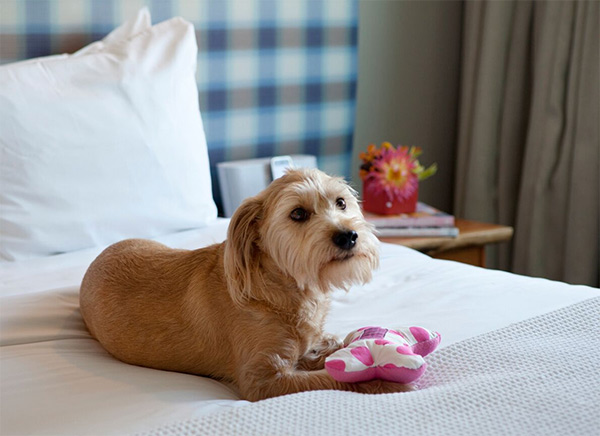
[{"x": 391, "y": 178}]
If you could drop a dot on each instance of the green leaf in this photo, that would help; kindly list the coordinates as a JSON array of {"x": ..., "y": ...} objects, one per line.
[
  {"x": 415, "y": 152},
  {"x": 426, "y": 173}
]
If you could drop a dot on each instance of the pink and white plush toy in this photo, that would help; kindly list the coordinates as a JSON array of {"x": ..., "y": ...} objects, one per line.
[{"x": 377, "y": 352}]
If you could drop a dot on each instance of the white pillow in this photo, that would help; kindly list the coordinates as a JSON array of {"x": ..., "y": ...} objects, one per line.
[{"x": 103, "y": 145}]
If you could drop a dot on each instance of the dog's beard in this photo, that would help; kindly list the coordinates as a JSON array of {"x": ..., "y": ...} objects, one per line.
[
  {"x": 314, "y": 261},
  {"x": 345, "y": 272}
]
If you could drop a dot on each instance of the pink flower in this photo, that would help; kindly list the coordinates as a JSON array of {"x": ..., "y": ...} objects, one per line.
[{"x": 394, "y": 173}]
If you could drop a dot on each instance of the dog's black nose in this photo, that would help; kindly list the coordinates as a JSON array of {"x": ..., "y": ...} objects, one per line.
[{"x": 346, "y": 239}]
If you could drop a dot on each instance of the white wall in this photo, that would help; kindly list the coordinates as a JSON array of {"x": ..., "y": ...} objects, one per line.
[{"x": 408, "y": 84}]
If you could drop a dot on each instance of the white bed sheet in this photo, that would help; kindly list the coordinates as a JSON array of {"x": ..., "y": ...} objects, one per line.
[{"x": 55, "y": 379}]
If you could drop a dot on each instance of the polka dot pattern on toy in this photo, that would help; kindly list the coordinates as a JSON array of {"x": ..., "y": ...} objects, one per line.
[{"x": 377, "y": 352}]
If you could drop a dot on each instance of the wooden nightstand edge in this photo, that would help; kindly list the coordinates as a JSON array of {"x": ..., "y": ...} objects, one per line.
[
  {"x": 475, "y": 238},
  {"x": 472, "y": 234}
]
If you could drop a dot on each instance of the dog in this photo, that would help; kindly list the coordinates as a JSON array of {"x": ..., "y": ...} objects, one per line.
[{"x": 249, "y": 311}]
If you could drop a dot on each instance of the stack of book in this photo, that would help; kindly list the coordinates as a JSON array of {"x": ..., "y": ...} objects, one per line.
[{"x": 425, "y": 221}]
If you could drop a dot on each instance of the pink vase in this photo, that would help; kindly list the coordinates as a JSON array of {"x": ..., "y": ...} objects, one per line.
[{"x": 381, "y": 204}]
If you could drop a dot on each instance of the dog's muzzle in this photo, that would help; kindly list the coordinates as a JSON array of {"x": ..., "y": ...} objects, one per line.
[{"x": 346, "y": 240}]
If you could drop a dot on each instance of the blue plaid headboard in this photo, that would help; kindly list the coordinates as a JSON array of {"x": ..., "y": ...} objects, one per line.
[{"x": 274, "y": 76}]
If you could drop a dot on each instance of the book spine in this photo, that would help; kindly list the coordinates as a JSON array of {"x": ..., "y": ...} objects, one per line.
[
  {"x": 434, "y": 221},
  {"x": 417, "y": 231}
]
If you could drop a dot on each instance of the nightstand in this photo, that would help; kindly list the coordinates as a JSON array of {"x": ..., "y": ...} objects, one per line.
[{"x": 467, "y": 247}]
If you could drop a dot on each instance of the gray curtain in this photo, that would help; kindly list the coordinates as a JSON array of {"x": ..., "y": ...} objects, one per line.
[{"x": 528, "y": 141}]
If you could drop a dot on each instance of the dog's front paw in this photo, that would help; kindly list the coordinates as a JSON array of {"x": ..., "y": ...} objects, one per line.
[
  {"x": 315, "y": 358},
  {"x": 329, "y": 344}
]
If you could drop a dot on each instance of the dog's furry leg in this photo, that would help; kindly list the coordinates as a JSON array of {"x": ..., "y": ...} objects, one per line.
[{"x": 282, "y": 379}]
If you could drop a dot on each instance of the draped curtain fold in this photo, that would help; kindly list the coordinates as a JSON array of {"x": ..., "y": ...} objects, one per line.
[{"x": 528, "y": 141}]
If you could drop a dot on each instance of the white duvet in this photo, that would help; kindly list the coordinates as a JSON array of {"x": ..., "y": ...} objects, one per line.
[{"x": 55, "y": 379}]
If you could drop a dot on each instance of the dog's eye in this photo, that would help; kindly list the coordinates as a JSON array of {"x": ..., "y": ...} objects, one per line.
[
  {"x": 299, "y": 214},
  {"x": 341, "y": 203}
]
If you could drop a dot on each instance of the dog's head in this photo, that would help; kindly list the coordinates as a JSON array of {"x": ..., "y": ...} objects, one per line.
[{"x": 306, "y": 224}]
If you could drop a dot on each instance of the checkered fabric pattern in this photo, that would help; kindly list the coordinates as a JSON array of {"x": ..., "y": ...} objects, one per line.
[{"x": 274, "y": 76}]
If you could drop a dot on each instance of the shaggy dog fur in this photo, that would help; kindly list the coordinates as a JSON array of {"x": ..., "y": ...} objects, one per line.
[{"x": 249, "y": 311}]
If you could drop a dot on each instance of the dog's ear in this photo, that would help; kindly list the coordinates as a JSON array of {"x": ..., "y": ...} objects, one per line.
[{"x": 241, "y": 250}]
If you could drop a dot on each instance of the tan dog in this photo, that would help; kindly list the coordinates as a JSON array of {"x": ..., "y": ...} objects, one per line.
[{"x": 249, "y": 311}]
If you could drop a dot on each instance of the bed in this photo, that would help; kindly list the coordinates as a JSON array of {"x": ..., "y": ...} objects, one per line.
[
  {"x": 519, "y": 355},
  {"x": 56, "y": 379}
]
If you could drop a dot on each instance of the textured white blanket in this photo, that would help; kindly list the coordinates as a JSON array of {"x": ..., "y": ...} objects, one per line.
[{"x": 536, "y": 377}]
